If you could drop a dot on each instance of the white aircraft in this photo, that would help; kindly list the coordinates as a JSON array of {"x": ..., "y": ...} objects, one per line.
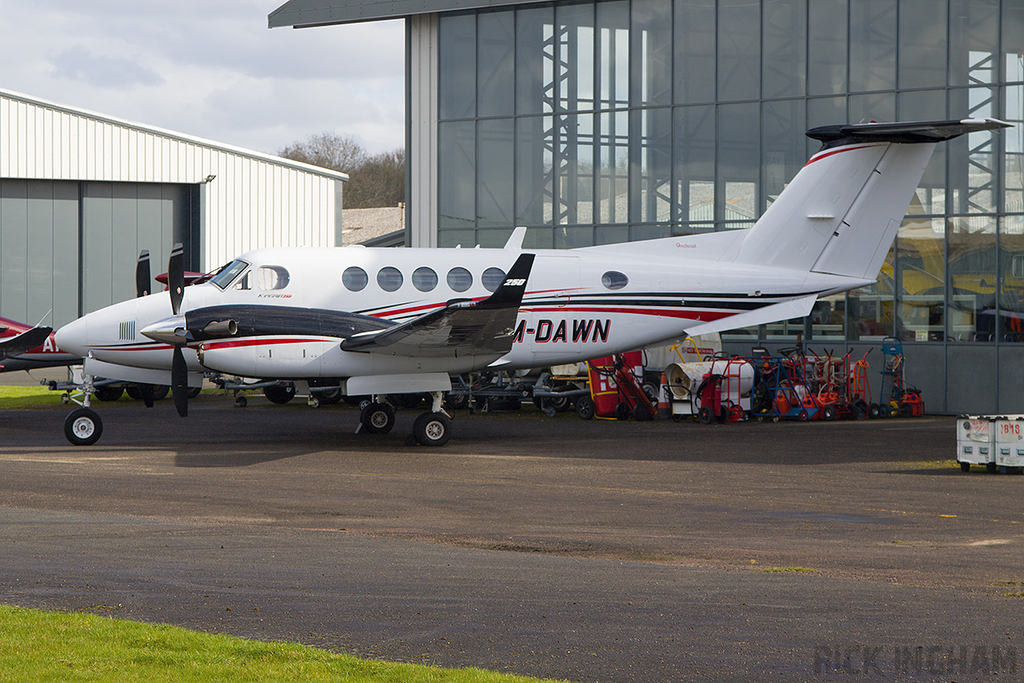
[{"x": 390, "y": 321}]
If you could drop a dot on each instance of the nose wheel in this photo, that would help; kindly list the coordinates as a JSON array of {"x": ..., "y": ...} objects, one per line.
[{"x": 83, "y": 427}]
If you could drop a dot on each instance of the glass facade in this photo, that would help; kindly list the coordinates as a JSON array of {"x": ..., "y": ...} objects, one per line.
[{"x": 621, "y": 120}]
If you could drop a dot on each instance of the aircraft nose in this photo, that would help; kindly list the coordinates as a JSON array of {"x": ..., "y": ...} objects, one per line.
[{"x": 74, "y": 337}]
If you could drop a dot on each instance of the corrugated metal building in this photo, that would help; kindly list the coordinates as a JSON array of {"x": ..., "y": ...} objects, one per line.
[{"x": 82, "y": 193}]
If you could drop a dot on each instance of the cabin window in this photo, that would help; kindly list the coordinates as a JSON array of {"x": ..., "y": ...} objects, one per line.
[
  {"x": 460, "y": 279},
  {"x": 613, "y": 279},
  {"x": 492, "y": 278},
  {"x": 269, "y": 278},
  {"x": 389, "y": 278},
  {"x": 228, "y": 273},
  {"x": 354, "y": 278},
  {"x": 424, "y": 279}
]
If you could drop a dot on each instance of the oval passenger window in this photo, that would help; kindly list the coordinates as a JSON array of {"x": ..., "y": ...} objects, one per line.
[
  {"x": 613, "y": 279},
  {"x": 389, "y": 278},
  {"x": 424, "y": 279},
  {"x": 492, "y": 278},
  {"x": 460, "y": 279},
  {"x": 354, "y": 278}
]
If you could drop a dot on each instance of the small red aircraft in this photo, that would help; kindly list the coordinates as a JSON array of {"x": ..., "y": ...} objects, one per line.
[{"x": 23, "y": 347}]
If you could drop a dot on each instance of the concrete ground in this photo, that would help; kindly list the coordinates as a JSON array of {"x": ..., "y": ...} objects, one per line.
[{"x": 591, "y": 551}]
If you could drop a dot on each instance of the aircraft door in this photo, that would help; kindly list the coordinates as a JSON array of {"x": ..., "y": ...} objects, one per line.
[{"x": 554, "y": 326}]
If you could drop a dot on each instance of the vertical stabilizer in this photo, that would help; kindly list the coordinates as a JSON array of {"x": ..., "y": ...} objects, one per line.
[{"x": 840, "y": 214}]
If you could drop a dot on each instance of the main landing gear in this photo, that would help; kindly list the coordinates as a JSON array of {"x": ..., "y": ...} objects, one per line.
[
  {"x": 433, "y": 428},
  {"x": 83, "y": 426}
]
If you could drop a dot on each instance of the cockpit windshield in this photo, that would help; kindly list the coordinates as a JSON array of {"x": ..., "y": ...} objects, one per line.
[{"x": 228, "y": 273}]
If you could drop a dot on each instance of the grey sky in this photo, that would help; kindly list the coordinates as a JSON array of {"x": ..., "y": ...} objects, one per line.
[{"x": 209, "y": 69}]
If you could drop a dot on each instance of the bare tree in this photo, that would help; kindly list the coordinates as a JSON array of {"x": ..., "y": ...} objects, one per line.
[
  {"x": 379, "y": 181},
  {"x": 374, "y": 181}
]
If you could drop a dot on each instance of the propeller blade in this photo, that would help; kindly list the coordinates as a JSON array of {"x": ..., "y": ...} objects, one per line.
[
  {"x": 179, "y": 382},
  {"x": 176, "y": 276},
  {"x": 146, "y": 391},
  {"x": 143, "y": 281}
]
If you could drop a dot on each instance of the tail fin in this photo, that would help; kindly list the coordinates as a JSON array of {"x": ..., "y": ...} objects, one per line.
[{"x": 840, "y": 214}]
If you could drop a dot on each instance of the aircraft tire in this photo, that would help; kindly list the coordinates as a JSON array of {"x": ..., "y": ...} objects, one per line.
[
  {"x": 432, "y": 429},
  {"x": 109, "y": 393},
  {"x": 83, "y": 427},
  {"x": 378, "y": 418},
  {"x": 279, "y": 394}
]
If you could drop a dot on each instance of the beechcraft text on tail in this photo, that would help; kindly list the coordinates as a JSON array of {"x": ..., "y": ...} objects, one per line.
[{"x": 388, "y": 321}]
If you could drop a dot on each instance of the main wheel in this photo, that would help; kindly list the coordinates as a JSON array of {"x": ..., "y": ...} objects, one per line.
[
  {"x": 378, "y": 418},
  {"x": 279, "y": 394},
  {"x": 705, "y": 415},
  {"x": 83, "y": 427},
  {"x": 432, "y": 429},
  {"x": 109, "y": 393}
]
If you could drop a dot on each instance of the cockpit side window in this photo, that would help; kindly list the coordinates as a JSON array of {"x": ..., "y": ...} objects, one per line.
[
  {"x": 228, "y": 273},
  {"x": 269, "y": 278}
]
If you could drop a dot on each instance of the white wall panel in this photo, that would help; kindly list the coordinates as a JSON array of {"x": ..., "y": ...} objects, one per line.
[{"x": 255, "y": 200}]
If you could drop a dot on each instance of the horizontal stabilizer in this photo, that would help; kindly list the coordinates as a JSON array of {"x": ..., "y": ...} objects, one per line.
[
  {"x": 794, "y": 308},
  {"x": 903, "y": 132},
  {"x": 460, "y": 329}
]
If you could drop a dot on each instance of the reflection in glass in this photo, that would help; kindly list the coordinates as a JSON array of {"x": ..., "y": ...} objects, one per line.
[
  {"x": 456, "y": 174},
  {"x": 652, "y": 52},
  {"x": 495, "y": 73},
  {"x": 827, "y": 36},
  {"x": 457, "y": 59},
  {"x": 972, "y": 278},
  {"x": 1011, "y": 279},
  {"x": 739, "y": 51},
  {"x": 922, "y": 44},
  {"x": 920, "y": 279},
  {"x": 495, "y": 181},
  {"x": 872, "y": 45},
  {"x": 785, "y": 59},
  {"x": 694, "y": 66}
]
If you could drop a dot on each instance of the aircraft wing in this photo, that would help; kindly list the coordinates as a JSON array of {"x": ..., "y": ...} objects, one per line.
[
  {"x": 25, "y": 341},
  {"x": 461, "y": 328}
]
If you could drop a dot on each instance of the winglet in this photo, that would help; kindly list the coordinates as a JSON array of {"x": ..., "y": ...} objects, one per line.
[{"x": 510, "y": 293}]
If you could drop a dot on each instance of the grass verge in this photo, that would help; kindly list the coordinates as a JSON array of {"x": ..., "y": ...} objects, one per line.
[
  {"x": 46, "y": 646},
  {"x": 27, "y": 397}
]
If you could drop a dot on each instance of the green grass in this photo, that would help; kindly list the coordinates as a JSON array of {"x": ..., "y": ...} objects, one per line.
[
  {"x": 45, "y": 646},
  {"x": 27, "y": 397}
]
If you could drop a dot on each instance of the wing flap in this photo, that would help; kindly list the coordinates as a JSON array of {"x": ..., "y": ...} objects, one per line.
[{"x": 460, "y": 329}]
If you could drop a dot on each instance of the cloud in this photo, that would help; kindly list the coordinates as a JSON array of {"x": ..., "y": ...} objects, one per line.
[
  {"x": 79, "y": 63},
  {"x": 213, "y": 70}
]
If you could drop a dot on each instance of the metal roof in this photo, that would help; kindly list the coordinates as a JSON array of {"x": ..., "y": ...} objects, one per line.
[
  {"x": 303, "y": 13},
  {"x": 163, "y": 133}
]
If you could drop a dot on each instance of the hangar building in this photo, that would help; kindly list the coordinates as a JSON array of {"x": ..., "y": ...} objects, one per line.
[
  {"x": 614, "y": 120},
  {"x": 82, "y": 193}
]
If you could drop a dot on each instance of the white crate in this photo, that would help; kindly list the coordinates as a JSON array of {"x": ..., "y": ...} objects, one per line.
[
  {"x": 1009, "y": 441},
  {"x": 975, "y": 441}
]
